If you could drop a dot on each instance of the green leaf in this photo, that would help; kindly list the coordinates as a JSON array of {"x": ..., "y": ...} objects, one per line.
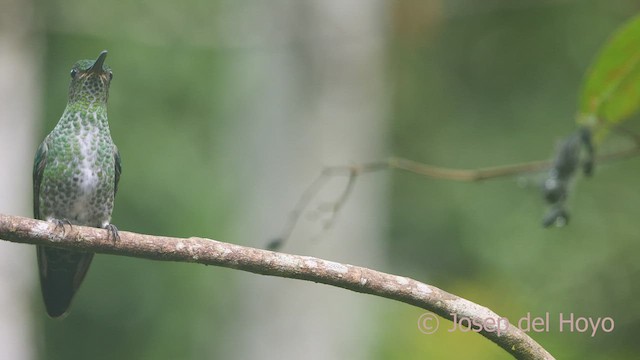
[{"x": 611, "y": 91}]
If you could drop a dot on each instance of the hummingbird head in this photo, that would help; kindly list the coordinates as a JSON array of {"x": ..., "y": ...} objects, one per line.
[{"x": 90, "y": 80}]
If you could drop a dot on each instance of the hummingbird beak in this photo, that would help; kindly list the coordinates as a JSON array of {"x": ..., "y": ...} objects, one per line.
[{"x": 96, "y": 68}]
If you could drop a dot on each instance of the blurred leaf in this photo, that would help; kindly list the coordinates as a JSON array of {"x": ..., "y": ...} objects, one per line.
[{"x": 612, "y": 88}]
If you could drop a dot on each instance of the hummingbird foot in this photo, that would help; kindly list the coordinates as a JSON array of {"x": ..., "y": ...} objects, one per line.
[
  {"x": 113, "y": 232},
  {"x": 60, "y": 223}
]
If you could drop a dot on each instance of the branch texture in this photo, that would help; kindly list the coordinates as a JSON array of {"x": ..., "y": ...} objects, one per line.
[{"x": 211, "y": 252}]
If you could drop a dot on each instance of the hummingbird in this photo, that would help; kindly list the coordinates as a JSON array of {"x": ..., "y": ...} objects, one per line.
[{"x": 75, "y": 179}]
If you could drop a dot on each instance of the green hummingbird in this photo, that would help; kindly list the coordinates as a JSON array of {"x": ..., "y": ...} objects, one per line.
[{"x": 75, "y": 178}]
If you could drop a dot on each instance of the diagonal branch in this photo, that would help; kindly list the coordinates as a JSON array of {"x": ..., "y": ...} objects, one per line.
[{"x": 211, "y": 252}]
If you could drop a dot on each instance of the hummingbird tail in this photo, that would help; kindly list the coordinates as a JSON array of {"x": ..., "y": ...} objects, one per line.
[{"x": 61, "y": 273}]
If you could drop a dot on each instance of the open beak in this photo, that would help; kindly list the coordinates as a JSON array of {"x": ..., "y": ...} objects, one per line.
[{"x": 96, "y": 68}]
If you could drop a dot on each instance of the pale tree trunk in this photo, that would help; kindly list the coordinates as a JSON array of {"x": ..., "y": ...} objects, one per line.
[
  {"x": 19, "y": 105},
  {"x": 308, "y": 91}
]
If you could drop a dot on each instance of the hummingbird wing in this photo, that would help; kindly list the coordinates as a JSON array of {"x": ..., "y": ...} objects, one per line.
[
  {"x": 118, "y": 162},
  {"x": 39, "y": 164}
]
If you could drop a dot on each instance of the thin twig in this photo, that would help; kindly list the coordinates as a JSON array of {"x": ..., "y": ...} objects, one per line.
[
  {"x": 467, "y": 175},
  {"x": 211, "y": 252},
  {"x": 334, "y": 207},
  {"x": 304, "y": 200}
]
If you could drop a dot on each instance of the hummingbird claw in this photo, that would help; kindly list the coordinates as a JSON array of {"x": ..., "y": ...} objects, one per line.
[
  {"x": 60, "y": 223},
  {"x": 113, "y": 231}
]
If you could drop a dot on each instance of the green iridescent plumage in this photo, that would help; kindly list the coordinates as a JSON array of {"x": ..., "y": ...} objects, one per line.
[{"x": 75, "y": 179}]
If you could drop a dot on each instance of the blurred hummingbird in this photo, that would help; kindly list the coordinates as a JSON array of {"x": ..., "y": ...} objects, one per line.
[{"x": 75, "y": 178}]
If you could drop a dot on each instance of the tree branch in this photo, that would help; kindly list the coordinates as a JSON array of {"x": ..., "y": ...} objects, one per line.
[
  {"x": 421, "y": 169},
  {"x": 211, "y": 252}
]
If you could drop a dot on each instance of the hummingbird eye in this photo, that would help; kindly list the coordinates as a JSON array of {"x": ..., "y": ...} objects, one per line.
[
  {"x": 74, "y": 72},
  {"x": 110, "y": 76}
]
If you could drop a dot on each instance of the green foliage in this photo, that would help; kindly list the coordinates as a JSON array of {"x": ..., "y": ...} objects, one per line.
[{"x": 612, "y": 88}]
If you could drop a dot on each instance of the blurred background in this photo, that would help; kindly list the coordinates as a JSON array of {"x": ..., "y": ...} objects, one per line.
[{"x": 224, "y": 111}]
